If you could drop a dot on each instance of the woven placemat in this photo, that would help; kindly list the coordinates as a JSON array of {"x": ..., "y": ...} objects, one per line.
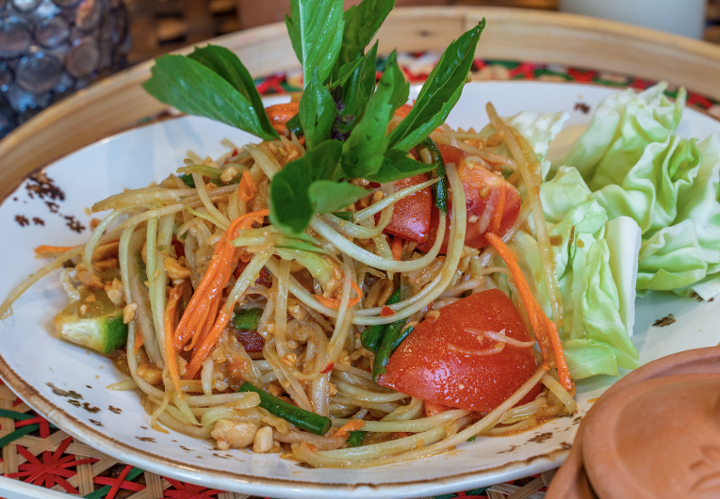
[{"x": 35, "y": 451}]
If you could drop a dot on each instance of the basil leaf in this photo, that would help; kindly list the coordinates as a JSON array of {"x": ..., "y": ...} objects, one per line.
[
  {"x": 441, "y": 87},
  {"x": 294, "y": 200},
  {"x": 364, "y": 149},
  {"x": 316, "y": 29},
  {"x": 362, "y": 23},
  {"x": 317, "y": 112},
  {"x": 196, "y": 89},
  {"x": 416, "y": 136},
  {"x": 225, "y": 63},
  {"x": 295, "y": 126},
  {"x": 345, "y": 72},
  {"x": 396, "y": 166},
  {"x": 328, "y": 196},
  {"x": 356, "y": 92}
]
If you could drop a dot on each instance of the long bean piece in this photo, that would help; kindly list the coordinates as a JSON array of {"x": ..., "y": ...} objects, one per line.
[
  {"x": 305, "y": 420},
  {"x": 372, "y": 336}
]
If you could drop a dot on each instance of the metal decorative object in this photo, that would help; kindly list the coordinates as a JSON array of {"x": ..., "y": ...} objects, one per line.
[{"x": 51, "y": 48}]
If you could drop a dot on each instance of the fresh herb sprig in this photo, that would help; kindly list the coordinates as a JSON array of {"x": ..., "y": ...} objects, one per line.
[{"x": 342, "y": 114}]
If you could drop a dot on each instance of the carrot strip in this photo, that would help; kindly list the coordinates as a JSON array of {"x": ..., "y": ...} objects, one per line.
[
  {"x": 396, "y": 247},
  {"x": 433, "y": 409},
  {"x": 204, "y": 349},
  {"x": 44, "y": 248},
  {"x": 556, "y": 345},
  {"x": 531, "y": 306},
  {"x": 353, "y": 425},
  {"x": 499, "y": 210},
  {"x": 334, "y": 303},
  {"x": 171, "y": 312},
  {"x": 183, "y": 329},
  {"x": 246, "y": 189},
  {"x": 209, "y": 292},
  {"x": 540, "y": 322},
  {"x": 204, "y": 324},
  {"x": 138, "y": 342}
]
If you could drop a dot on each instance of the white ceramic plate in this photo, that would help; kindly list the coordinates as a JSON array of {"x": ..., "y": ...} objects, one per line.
[{"x": 43, "y": 369}]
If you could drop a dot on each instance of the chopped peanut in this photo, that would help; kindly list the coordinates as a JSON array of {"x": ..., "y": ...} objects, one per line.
[
  {"x": 107, "y": 250},
  {"x": 289, "y": 360},
  {"x": 107, "y": 264},
  {"x": 229, "y": 174},
  {"x": 230, "y": 434},
  {"x": 129, "y": 312},
  {"x": 274, "y": 389},
  {"x": 174, "y": 270},
  {"x": 331, "y": 389},
  {"x": 90, "y": 298},
  {"x": 150, "y": 373},
  {"x": 114, "y": 291},
  {"x": 87, "y": 278},
  {"x": 263, "y": 440}
]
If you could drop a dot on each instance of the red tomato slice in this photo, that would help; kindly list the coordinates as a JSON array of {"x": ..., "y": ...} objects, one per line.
[
  {"x": 411, "y": 216},
  {"x": 436, "y": 362},
  {"x": 482, "y": 191}
]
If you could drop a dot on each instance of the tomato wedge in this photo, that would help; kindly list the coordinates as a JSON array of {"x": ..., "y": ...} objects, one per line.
[
  {"x": 483, "y": 189},
  {"x": 411, "y": 215},
  {"x": 449, "y": 361}
]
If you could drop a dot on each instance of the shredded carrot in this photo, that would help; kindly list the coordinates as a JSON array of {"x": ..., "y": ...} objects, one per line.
[
  {"x": 433, "y": 409},
  {"x": 353, "y": 425},
  {"x": 214, "y": 281},
  {"x": 396, "y": 247},
  {"x": 499, "y": 209},
  {"x": 206, "y": 325},
  {"x": 246, "y": 189},
  {"x": 170, "y": 317},
  {"x": 334, "y": 303},
  {"x": 206, "y": 347},
  {"x": 218, "y": 317},
  {"x": 52, "y": 249},
  {"x": 138, "y": 342},
  {"x": 541, "y": 324},
  {"x": 386, "y": 311}
]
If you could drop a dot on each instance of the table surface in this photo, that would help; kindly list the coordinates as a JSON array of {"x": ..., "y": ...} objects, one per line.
[{"x": 45, "y": 457}]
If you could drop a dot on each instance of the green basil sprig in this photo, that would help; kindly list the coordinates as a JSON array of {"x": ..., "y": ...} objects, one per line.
[
  {"x": 362, "y": 23},
  {"x": 440, "y": 92},
  {"x": 317, "y": 112},
  {"x": 316, "y": 32},
  {"x": 363, "y": 152},
  {"x": 306, "y": 186},
  {"x": 211, "y": 82}
]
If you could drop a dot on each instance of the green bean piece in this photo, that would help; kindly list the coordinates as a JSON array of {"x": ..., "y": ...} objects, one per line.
[
  {"x": 441, "y": 187},
  {"x": 305, "y": 420},
  {"x": 391, "y": 340},
  {"x": 371, "y": 337},
  {"x": 356, "y": 438},
  {"x": 248, "y": 320}
]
